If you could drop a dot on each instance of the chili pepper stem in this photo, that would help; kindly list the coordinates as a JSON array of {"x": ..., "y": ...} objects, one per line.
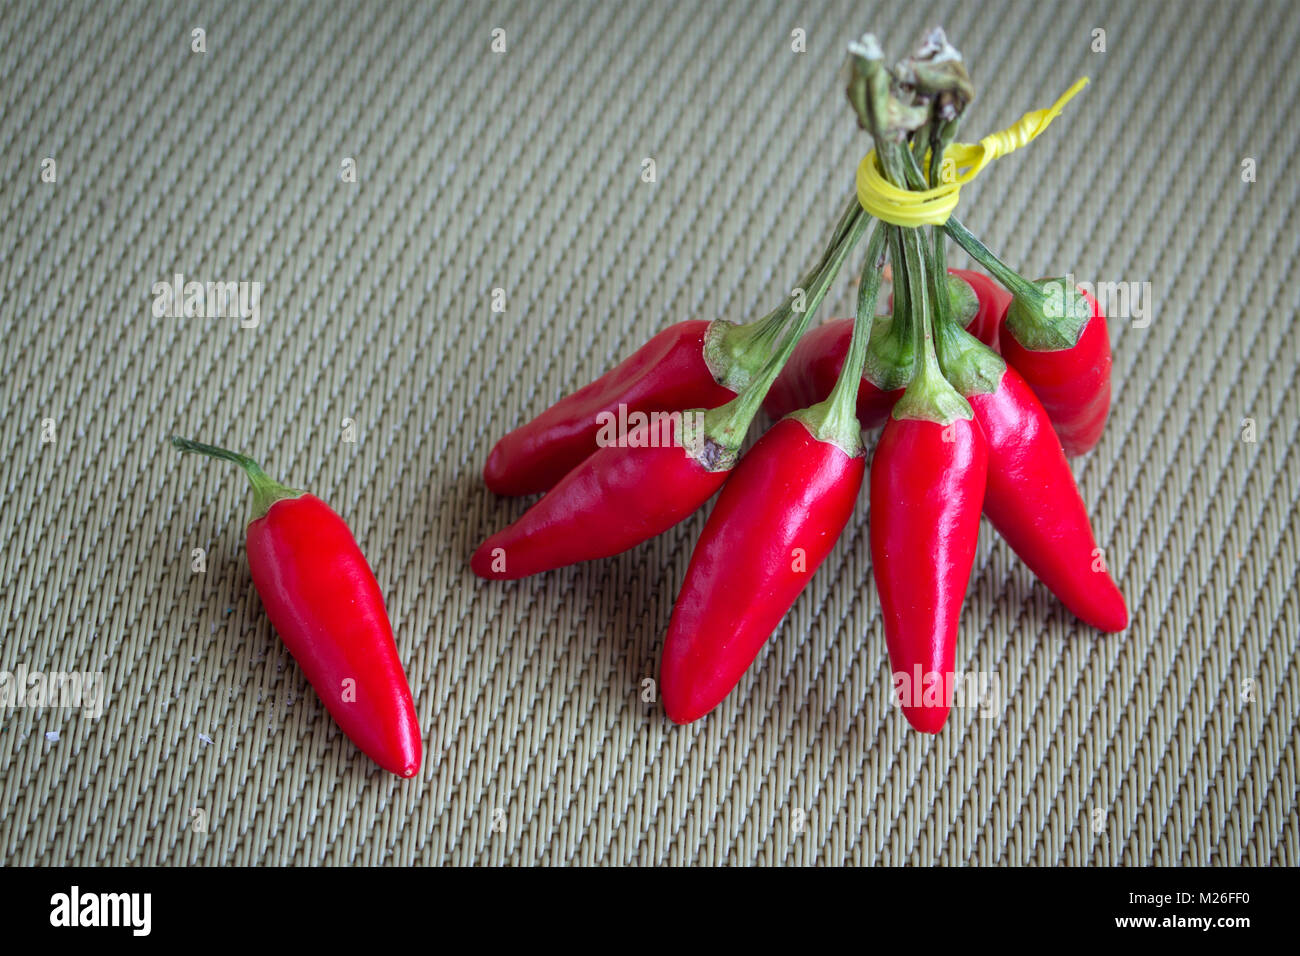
[
  {"x": 971, "y": 367},
  {"x": 955, "y": 290},
  {"x": 735, "y": 352},
  {"x": 836, "y": 419},
  {"x": 1027, "y": 315},
  {"x": 266, "y": 491},
  {"x": 725, "y": 427},
  {"x": 1014, "y": 282},
  {"x": 890, "y": 356},
  {"x": 929, "y": 397}
]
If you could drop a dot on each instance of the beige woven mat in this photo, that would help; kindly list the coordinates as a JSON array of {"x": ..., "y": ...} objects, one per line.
[{"x": 475, "y": 170}]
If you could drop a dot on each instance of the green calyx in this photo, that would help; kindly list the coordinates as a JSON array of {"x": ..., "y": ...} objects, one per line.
[
  {"x": 266, "y": 491},
  {"x": 890, "y": 354},
  {"x": 695, "y": 439},
  {"x": 734, "y": 352},
  {"x": 971, "y": 366},
  {"x": 963, "y": 303},
  {"x": 931, "y": 398},
  {"x": 1051, "y": 320}
]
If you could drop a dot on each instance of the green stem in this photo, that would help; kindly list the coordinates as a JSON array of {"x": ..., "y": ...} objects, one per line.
[
  {"x": 1016, "y": 284},
  {"x": 958, "y": 297},
  {"x": 911, "y": 175},
  {"x": 938, "y": 254},
  {"x": 894, "y": 158},
  {"x": 929, "y": 396},
  {"x": 922, "y": 331},
  {"x": 266, "y": 490},
  {"x": 868, "y": 292},
  {"x": 890, "y": 354},
  {"x": 902, "y": 311},
  {"x": 736, "y": 351},
  {"x": 971, "y": 367},
  {"x": 836, "y": 419},
  {"x": 920, "y": 140},
  {"x": 726, "y": 426}
]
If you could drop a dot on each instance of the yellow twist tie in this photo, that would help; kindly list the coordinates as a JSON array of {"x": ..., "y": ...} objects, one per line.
[{"x": 932, "y": 207}]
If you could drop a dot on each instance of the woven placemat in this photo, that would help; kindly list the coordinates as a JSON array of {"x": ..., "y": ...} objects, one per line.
[{"x": 378, "y": 374}]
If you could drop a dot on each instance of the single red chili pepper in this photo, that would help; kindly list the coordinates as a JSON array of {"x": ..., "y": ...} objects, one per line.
[
  {"x": 613, "y": 500},
  {"x": 1033, "y": 501},
  {"x": 693, "y": 364},
  {"x": 1056, "y": 337},
  {"x": 627, "y": 493},
  {"x": 927, "y": 485},
  {"x": 774, "y": 524},
  {"x": 322, "y": 599},
  {"x": 927, "y": 490},
  {"x": 777, "y": 519}
]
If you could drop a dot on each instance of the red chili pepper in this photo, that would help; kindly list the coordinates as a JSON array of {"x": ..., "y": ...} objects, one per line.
[
  {"x": 668, "y": 373},
  {"x": 927, "y": 490},
  {"x": 1055, "y": 336},
  {"x": 1031, "y": 496},
  {"x": 1032, "y": 500},
  {"x": 612, "y": 501},
  {"x": 1072, "y": 381},
  {"x": 322, "y": 599},
  {"x": 775, "y": 522}
]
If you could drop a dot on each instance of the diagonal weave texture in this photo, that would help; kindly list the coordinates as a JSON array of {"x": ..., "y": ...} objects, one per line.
[{"x": 521, "y": 171}]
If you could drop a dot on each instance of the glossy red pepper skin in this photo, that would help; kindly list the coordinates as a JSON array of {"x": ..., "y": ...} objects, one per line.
[
  {"x": 1033, "y": 501},
  {"x": 812, "y": 371},
  {"x": 790, "y": 493},
  {"x": 668, "y": 373},
  {"x": 615, "y": 499},
  {"x": 993, "y": 303},
  {"x": 325, "y": 604},
  {"x": 927, "y": 491},
  {"x": 1073, "y": 384}
]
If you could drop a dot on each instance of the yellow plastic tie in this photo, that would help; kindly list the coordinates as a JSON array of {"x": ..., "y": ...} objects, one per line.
[{"x": 932, "y": 207}]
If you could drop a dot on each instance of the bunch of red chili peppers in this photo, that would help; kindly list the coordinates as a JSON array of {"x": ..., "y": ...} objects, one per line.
[{"x": 982, "y": 389}]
